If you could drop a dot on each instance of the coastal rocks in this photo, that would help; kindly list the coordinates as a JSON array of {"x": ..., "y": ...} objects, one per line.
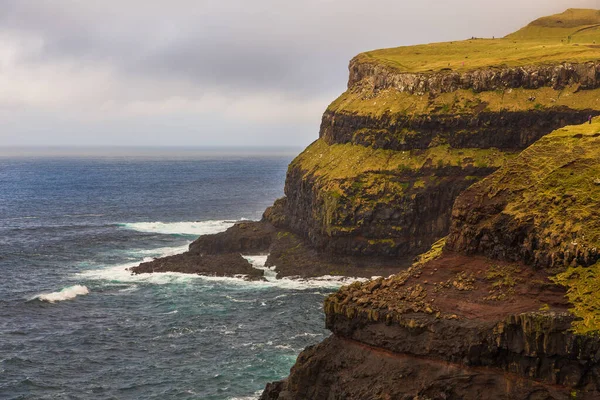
[
  {"x": 434, "y": 332},
  {"x": 243, "y": 237},
  {"x": 291, "y": 256},
  {"x": 218, "y": 254},
  {"x": 208, "y": 265},
  {"x": 381, "y": 77}
]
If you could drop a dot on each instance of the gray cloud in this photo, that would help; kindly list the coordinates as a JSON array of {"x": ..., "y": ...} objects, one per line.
[{"x": 213, "y": 59}]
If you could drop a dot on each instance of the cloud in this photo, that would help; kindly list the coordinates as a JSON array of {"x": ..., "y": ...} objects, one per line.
[{"x": 260, "y": 62}]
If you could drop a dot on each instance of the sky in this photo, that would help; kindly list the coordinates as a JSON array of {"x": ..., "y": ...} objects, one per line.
[{"x": 208, "y": 73}]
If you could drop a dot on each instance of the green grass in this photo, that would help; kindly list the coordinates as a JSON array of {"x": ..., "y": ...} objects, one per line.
[
  {"x": 393, "y": 102},
  {"x": 346, "y": 161},
  {"x": 544, "y": 41},
  {"x": 554, "y": 181},
  {"x": 577, "y": 23},
  {"x": 583, "y": 286}
]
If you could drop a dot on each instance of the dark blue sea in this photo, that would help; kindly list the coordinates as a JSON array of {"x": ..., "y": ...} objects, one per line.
[{"x": 74, "y": 324}]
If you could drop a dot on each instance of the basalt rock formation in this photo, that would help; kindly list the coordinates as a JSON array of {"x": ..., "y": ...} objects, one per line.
[{"x": 505, "y": 306}]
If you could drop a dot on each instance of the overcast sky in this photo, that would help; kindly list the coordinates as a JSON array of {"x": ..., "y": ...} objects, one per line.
[{"x": 208, "y": 73}]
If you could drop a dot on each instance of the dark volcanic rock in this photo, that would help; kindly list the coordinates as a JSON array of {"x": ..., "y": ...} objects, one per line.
[
  {"x": 293, "y": 256},
  {"x": 558, "y": 76},
  {"x": 342, "y": 369},
  {"x": 214, "y": 265},
  {"x": 218, "y": 254},
  {"x": 503, "y": 130},
  {"x": 243, "y": 237},
  {"x": 221, "y": 255}
]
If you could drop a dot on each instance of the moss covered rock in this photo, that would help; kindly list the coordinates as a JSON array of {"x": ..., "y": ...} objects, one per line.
[{"x": 542, "y": 207}]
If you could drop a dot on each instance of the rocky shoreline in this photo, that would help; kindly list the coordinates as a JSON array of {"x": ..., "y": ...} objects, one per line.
[{"x": 222, "y": 254}]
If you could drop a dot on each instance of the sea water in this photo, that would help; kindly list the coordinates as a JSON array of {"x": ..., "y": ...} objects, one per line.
[{"x": 75, "y": 324}]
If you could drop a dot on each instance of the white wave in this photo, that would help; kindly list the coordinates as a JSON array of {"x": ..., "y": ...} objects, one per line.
[
  {"x": 83, "y": 215},
  {"x": 129, "y": 289},
  {"x": 67, "y": 293},
  {"x": 255, "y": 397},
  {"x": 325, "y": 282},
  {"x": 197, "y": 228},
  {"x": 233, "y": 299},
  {"x": 258, "y": 262},
  {"x": 160, "y": 252},
  {"x": 121, "y": 274},
  {"x": 306, "y": 334}
]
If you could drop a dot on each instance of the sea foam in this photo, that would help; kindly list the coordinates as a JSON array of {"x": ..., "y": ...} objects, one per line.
[
  {"x": 67, "y": 293},
  {"x": 180, "y": 228},
  {"x": 121, "y": 274},
  {"x": 159, "y": 252}
]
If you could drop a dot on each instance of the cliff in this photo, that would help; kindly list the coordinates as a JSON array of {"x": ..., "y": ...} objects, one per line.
[
  {"x": 416, "y": 127},
  {"x": 504, "y": 304},
  {"x": 420, "y": 124}
]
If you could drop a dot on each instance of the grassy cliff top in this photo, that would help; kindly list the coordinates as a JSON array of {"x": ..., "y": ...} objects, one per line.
[{"x": 567, "y": 37}]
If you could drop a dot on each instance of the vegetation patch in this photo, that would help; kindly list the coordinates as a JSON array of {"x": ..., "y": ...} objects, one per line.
[
  {"x": 583, "y": 286},
  {"x": 356, "y": 182},
  {"x": 402, "y": 104},
  {"x": 503, "y": 279},
  {"x": 552, "y": 187}
]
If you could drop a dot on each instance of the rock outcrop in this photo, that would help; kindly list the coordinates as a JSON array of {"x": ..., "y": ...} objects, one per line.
[
  {"x": 219, "y": 254},
  {"x": 541, "y": 208},
  {"x": 557, "y": 76}
]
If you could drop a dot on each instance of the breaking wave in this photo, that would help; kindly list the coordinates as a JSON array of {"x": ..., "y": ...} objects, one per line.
[
  {"x": 67, "y": 293},
  {"x": 197, "y": 228},
  {"x": 121, "y": 274}
]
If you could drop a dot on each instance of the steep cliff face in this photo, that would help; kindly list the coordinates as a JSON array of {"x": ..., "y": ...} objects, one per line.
[
  {"x": 416, "y": 127},
  {"x": 359, "y": 200},
  {"x": 558, "y": 76},
  {"x": 506, "y": 305},
  {"x": 383, "y": 182}
]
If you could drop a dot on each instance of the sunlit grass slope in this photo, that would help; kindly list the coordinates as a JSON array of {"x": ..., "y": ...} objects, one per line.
[{"x": 567, "y": 37}]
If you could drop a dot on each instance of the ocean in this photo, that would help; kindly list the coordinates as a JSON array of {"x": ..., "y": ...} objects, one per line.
[{"x": 74, "y": 324}]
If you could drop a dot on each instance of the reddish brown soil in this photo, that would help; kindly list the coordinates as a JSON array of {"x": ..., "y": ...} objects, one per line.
[{"x": 532, "y": 289}]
